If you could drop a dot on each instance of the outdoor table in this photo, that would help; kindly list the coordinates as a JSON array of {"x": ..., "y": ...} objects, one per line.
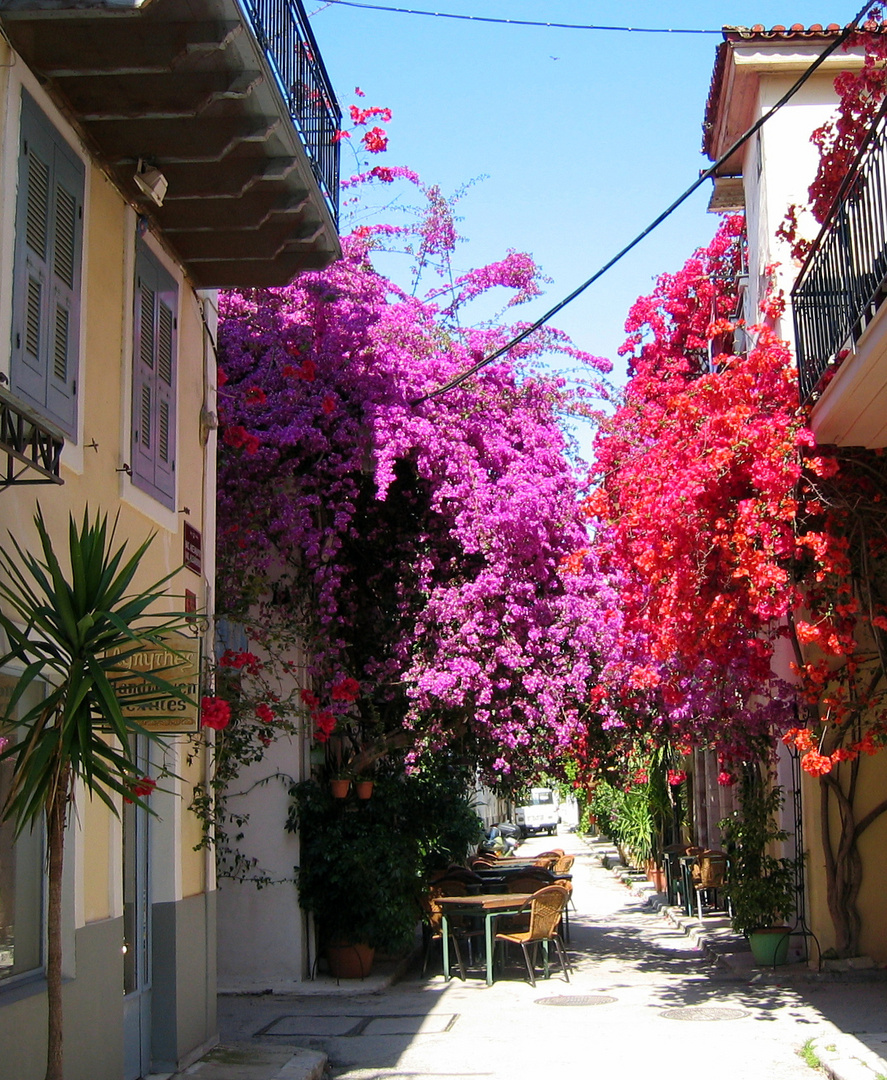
[
  {"x": 687, "y": 863},
  {"x": 487, "y": 904},
  {"x": 671, "y": 859}
]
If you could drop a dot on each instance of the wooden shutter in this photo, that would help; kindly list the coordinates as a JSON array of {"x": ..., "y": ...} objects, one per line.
[
  {"x": 154, "y": 379},
  {"x": 46, "y": 275}
]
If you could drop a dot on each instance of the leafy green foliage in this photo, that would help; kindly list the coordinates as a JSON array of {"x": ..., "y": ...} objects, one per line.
[
  {"x": 364, "y": 864},
  {"x": 761, "y": 886}
]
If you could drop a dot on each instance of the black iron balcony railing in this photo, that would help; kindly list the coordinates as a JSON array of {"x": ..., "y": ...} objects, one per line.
[
  {"x": 844, "y": 278},
  {"x": 282, "y": 29}
]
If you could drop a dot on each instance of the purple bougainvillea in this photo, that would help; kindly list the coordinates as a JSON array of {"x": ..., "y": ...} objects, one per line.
[{"x": 417, "y": 547}]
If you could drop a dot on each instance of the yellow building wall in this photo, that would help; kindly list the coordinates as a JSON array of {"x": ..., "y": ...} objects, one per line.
[
  {"x": 92, "y": 464},
  {"x": 872, "y": 901},
  {"x": 100, "y": 863},
  {"x": 193, "y": 862}
]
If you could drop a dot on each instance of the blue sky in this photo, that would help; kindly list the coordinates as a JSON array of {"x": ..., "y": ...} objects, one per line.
[{"x": 583, "y": 136}]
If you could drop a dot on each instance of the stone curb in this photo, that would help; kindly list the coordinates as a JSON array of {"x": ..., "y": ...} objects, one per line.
[
  {"x": 841, "y": 1056},
  {"x": 246, "y": 1061}
]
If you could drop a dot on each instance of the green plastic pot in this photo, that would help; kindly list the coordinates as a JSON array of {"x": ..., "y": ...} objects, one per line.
[{"x": 769, "y": 945}]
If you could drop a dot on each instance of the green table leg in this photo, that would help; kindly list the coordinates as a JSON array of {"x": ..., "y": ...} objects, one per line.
[
  {"x": 488, "y": 928},
  {"x": 445, "y": 945}
]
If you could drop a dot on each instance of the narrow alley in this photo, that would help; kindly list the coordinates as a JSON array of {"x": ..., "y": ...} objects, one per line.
[{"x": 642, "y": 997}]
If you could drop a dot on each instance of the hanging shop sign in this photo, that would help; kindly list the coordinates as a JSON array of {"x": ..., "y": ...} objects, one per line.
[
  {"x": 192, "y": 554},
  {"x": 177, "y": 661}
]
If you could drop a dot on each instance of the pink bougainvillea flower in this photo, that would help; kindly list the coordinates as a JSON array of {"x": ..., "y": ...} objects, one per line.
[{"x": 375, "y": 140}]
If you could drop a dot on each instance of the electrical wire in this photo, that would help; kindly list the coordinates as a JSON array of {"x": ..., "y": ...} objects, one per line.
[
  {"x": 703, "y": 176},
  {"x": 514, "y": 22}
]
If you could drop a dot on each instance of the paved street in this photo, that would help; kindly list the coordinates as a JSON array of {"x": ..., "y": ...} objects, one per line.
[{"x": 642, "y": 998}]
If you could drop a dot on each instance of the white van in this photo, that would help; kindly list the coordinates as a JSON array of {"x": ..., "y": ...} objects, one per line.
[{"x": 540, "y": 814}]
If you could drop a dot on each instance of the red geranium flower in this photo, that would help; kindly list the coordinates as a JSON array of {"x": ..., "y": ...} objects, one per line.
[{"x": 215, "y": 713}]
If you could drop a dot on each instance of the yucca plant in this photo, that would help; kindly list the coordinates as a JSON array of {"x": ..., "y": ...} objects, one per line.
[{"x": 74, "y": 634}]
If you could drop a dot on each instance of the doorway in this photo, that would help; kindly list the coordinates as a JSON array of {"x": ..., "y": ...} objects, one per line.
[{"x": 136, "y": 933}]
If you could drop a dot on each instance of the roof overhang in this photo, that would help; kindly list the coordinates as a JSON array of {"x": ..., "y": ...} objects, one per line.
[
  {"x": 743, "y": 59},
  {"x": 192, "y": 89}
]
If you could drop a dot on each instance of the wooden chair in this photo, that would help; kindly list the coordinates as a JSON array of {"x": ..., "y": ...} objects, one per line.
[{"x": 546, "y": 907}]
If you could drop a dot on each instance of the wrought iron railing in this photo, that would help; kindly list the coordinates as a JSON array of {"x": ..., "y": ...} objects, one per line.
[
  {"x": 844, "y": 278},
  {"x": 281, "y": 27}
]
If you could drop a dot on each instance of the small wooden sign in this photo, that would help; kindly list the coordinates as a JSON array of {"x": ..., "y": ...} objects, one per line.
[{"x": 193, "y": 548}]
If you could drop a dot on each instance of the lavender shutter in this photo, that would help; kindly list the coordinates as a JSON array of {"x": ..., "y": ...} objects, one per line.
[
  {"x": 46, "y": 274},
  {"x": 154, "y": 379}
]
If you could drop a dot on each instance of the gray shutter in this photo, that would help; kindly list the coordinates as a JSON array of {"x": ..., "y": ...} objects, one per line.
[
  {"x": 154, "y": 379},
  {"x": 46, "y": 275}
]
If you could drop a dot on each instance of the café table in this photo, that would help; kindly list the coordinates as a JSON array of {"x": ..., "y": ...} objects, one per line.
[{"x": 490, "y": 905}]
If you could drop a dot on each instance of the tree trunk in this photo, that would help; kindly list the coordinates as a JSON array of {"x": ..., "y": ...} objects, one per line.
[{"x": 55, "y": 837}]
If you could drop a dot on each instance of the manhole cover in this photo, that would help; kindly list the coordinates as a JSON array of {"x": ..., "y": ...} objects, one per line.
[
  {"x": 577, "y": 999},
  {"x": 702, "y": 1012}
]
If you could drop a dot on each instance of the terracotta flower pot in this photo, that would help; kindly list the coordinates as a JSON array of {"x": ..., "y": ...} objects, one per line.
[
  {"x": 350, "y": 961},
  {"x": 656, "y": 875},
  {"x": 364, "y": 788},
  {"x": 339, "y": 788}
]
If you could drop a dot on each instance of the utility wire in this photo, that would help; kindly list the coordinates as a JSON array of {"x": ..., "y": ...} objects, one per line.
[
  {"x": 707, "y": 174},
  {"x": 514, "y": 22}
]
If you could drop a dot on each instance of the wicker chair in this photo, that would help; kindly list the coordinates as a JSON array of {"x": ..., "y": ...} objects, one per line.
[
  {"x": 527, "y": 882},
  {"x": 546, "y": 861},
  {"x": 564, "y": 864},
  {"x": 709, "y": 875},
  {"x": 565, "y": 917},
  {"x": 455, "y": 872},
  {"x": 481, "y": 861},
  {"x": 546, "y": 907}
]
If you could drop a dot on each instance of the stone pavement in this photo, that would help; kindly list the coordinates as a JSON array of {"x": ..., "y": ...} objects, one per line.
[
  {"x": 639, "y": 968},
  {"x": 853, "y": 996}
]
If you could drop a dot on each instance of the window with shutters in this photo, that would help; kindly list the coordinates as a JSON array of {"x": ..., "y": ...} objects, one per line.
[
  {"x": 154, "y": 379},
  {"x": 46, "y": 277}
]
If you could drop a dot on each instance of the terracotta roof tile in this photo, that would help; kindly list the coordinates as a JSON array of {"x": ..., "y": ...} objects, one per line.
[{"x": 798, "y": 32}]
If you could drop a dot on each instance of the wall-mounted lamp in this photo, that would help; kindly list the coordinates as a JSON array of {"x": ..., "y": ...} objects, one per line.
[{"x": 151, "y": 182}]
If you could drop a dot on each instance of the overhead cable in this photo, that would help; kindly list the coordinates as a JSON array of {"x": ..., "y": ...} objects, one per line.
[
  {"x": 515, "y": 22},
  {"x": 703, "y": 176}
]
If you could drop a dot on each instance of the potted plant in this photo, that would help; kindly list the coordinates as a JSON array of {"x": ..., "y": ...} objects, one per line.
[
  {"x": 362, "y": 875},
  {"x": 363, "y": 786},
  {"x": 761, "y": 887},
  {"x": 340, "y": 783}
]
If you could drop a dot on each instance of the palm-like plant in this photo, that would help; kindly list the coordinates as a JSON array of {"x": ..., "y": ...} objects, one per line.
[{"x": 73, "y": 634}]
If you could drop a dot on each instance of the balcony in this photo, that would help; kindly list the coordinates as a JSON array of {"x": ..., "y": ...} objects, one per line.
[
  {"x": 228, "y": 99},
  {"x": 840, "y": 326}
]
